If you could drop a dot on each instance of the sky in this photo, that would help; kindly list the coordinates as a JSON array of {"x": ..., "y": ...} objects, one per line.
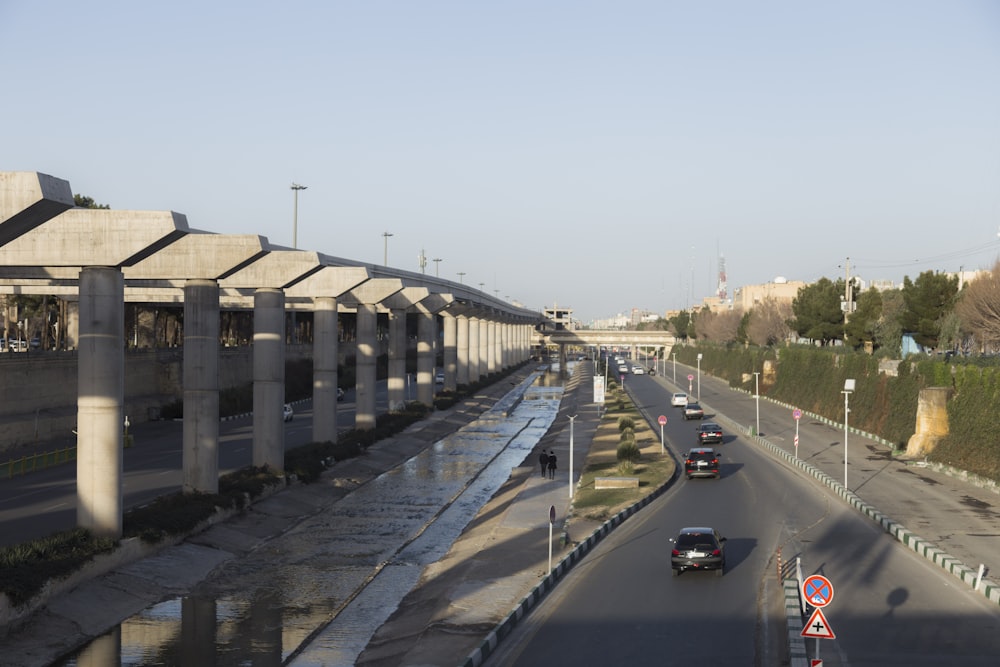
[{"x": 595, "y": 155}]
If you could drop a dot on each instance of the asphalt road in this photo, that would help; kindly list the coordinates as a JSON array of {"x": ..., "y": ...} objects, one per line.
[
  {"x": 622, "y": 606},
  {"x": 43, "y": 502}
]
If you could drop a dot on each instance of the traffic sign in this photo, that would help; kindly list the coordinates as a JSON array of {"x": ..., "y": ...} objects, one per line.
[
  {"x": 690, "y": 377},
  {"x": 817, "y": 590},
  {"x": 797, "y": 414},
  {"x": 796, "y": 441},
  {"x": 662, "y": 419},
  {"x": 815, "y": 662},
  {"x": 817, "y": 627}
]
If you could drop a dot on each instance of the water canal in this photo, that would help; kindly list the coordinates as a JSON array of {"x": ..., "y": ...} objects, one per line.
[{"x": 318, "y": 593}]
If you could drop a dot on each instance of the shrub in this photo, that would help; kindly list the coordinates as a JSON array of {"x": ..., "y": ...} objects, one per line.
[
  {"x": 625, "y": 422},
  {"x": 628, "y": 455}
]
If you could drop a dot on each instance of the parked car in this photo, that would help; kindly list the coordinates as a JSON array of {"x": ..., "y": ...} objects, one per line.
[
  {"x": 698, "y": 548},
  {"x": 709, "y": 432},
  {"x": 693, "y": 411},
  {"x": 288, "y": 413},
  {"x": 702, "y": 462},
  {"x": 679, "y": 400}
]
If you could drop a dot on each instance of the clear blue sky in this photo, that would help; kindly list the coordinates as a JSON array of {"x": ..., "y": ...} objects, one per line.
[{"x": 598, "y": 155}]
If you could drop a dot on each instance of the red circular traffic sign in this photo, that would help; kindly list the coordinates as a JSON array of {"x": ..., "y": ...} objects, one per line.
[
  {"x": 663, "y": 420},
  {"x": 817, "y": 590},
  {"x": 797, "y": 413},
  {"x": 690, "y": 377}
]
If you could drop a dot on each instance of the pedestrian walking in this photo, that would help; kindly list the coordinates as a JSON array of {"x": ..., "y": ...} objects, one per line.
[
  {"x": 552, "y": 465},
  {"x": 543, "y": 459}
]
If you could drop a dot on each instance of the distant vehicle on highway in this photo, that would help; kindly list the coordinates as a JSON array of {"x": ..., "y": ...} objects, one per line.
[
  {"x": 439, "y": 377},
  {"x": 693, "y": 411},
  {"x": 638, "y": 370},
  {"x": 679, "y": 400},
  {"x": 698, "y": 549},
  {"x": 709, "y": 432},
  {"x": 287, "y": 412},
  {"x": 702, "y": 462}
]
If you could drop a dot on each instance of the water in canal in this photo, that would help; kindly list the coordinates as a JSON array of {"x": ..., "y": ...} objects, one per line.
[{"x": 317, "y": 594}]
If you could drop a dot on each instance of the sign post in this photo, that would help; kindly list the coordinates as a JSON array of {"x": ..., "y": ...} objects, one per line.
[
  {"x": 662, "y": 419},
  {"x": 798, "y": 415},
  {"x": 817, "y": 591},
  {"x": 690, "y": 378},
  {"x": 552, "y": 520}
]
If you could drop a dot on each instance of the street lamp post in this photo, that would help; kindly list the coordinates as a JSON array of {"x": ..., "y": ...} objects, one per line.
[
  {"x": 756, "y": 396},
  {"x": 699, "y": 376},
  {"x": 437, "y": 267},
  {"x": 385, "y": 248},
  {"x": 461, "y": 277},
  {"x": 295, "y": 215},
  {"x": 673, "y": 356},
  {"x": 571, "y": 456},
  {"x": 848, "y": 388}
]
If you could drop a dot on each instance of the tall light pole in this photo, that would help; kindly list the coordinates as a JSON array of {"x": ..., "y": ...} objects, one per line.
[
  {"x": 385, "y": 248},
  {"x": 699, "y": 376},
  {"x": 848, "y": 388},
  {"x": 673, "y": 355},
  {"x": 756, "y": 396},
  {"x": 571, "y": 456},
  {"x": 461, "y": 277},
  {"x": 437, "y": 267},
  {"x": 295, "y": 216}
]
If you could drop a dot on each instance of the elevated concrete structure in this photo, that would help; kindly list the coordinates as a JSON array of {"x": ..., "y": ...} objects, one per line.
[{"x": 104, "y": 258}]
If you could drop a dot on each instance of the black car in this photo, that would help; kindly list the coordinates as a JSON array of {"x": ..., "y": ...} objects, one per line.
[
  {"x": 709, "y": 432},
  {"x": 693, "y": 411},
  {"x": 699, "y": 548},
  {"x": 702, "y": 462}
]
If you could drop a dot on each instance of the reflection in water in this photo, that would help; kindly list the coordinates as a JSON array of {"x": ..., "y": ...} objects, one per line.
[{"x": 333, "y": 580}]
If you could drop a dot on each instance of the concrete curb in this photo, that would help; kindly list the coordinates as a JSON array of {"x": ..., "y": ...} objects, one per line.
[
  {"x": 989, "y": 589},
  {"x": 797, "y": 653}
]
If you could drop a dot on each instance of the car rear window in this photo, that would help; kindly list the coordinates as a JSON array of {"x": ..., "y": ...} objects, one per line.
[
  {"x": 696, "y": 541},
  {"x": 701, "y": 455}
]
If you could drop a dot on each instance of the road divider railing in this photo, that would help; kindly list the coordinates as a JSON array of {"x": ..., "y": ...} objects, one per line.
[{"x": 38, "y": 461}]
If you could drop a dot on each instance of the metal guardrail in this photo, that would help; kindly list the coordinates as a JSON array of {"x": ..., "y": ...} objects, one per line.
[{"x": 39, "y": 461}]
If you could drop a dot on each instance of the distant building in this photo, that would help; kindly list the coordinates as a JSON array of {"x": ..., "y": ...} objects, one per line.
[
  {"x": 779, "y": 290},
  {"x": 562, "y": 318}
]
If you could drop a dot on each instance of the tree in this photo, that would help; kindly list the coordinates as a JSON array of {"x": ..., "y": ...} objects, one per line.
[
  {"x": 886, "y": 330},
  {"x": 817, "y": 311},
  {"x": 719, "y": 327},
  {"x": 927, "y": 300},
  {"x": 82, "y": 201},
  {"x": 681, "y": 323},
  {"x": 767, "y": 322},
  {"x": 978, "y": 309},
  {"x": 860, "y": 325}
]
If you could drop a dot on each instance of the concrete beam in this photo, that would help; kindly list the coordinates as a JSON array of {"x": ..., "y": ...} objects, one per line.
[{"x": 29, "y": 199}]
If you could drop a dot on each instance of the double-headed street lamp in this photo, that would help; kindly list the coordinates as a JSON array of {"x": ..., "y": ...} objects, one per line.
[{"x": 295, "y": 215}]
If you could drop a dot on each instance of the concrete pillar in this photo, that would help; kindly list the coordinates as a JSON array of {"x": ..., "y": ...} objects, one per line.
[
  {"x": 201, "y": 387},
  {"x": 199, "y": 628},
  {"x": 326, "y": 342},
  {"x": 450, "y": 351},
  {"x": 462, "y": 350},
  {"x": 504, "y": 341},
  {"x": 484, "y": 336},
  {"x": 367, "y": 346},
  {"x": 491, "y": 347},
  {"x": 100, "y": 397},
  {"x": 426, "y": 336},
  {"x": 474, "y": 349},
  {"x": 397, "y": 358},
  {"x": 269, "y": 378}
]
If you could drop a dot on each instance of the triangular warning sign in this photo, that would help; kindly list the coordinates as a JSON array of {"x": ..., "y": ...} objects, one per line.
[{"x": 817, "y": 627}]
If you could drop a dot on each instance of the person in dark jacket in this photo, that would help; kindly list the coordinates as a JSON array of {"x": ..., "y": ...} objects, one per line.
[
  {"x": 552, "y": 465},
  {"x": 543, "y": 459}
]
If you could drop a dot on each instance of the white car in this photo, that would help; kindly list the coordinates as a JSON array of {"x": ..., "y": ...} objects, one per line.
[
  {"x": 679, "y": 400},
  {"x": 287, "y": 412},
  {"x": 439, "y": 377},
  {"x": 638, "y": 370}
]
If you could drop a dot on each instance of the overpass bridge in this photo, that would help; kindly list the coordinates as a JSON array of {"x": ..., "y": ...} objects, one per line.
[
  {"x": 97, "y": 260},
  {"x": 660, "y": 342}
]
